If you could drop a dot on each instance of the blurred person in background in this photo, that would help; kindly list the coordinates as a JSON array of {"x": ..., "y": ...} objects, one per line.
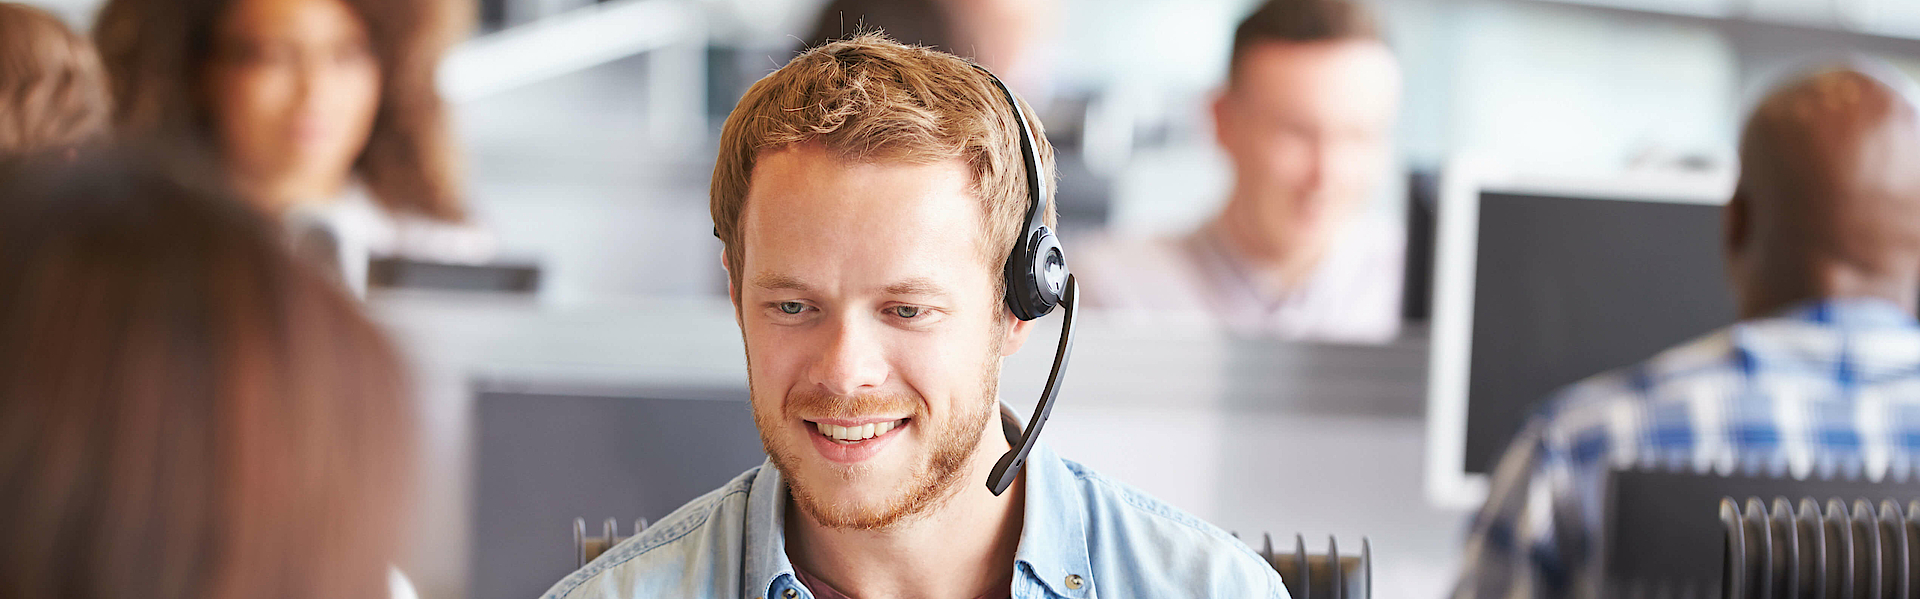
[
  {"x": 53, "y": 92},
  {"x": 321, "y": 112},
  {"x": 185, "y": 411},
  {"x": 869, "y": 194},
  {"x": 1821, "y": 374},
  {"x": 1307, "y": 119}
]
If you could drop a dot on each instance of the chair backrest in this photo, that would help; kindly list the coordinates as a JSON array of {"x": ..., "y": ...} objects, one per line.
[
  {"x": 1329, "y": 575},
  {"x": 1665, "y": 535},
  {"x": 1786, "y": 553},
  {"x": 586, "y": 548}
]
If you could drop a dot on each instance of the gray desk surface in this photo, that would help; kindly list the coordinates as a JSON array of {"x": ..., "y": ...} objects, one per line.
[{"x": 1254, "y": 437}]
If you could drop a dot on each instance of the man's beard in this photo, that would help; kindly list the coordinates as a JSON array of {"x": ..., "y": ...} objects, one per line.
[{"x": 930, "y": 483}]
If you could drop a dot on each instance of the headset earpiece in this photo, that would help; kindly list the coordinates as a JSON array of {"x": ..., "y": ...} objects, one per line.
[
  {"x": 1036, "y": 275},
  {"x": 1036, "y": 269}
]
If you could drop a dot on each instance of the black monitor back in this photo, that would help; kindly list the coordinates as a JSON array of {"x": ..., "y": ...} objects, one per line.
[{"x": 1566, "y": 288}]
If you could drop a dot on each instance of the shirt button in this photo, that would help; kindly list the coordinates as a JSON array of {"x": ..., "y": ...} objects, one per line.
[
  {"x": 1074, "y": 581},
  {"x": 790, "y": 593}
]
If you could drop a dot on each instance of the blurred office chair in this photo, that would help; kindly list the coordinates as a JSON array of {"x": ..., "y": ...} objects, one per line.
[
  {"x": 1789, "y": 553},
  {"x": 1684, "y": 535},
  {"x": 1327, "y": 575},
  {"x": 587, "y": 548}
]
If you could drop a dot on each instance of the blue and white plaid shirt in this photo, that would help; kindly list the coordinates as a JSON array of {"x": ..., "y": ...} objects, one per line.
[{"x": 1825, "y": 388}]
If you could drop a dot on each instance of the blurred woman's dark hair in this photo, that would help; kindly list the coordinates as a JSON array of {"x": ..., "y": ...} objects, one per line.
[
  {"x": 185, "y": 410},
  {"x": 53, "y": 92},
  {"x": 156, "y": 53}
]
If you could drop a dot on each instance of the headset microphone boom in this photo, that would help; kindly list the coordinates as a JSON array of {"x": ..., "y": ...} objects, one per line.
[{"x": 1037, "y": 279}]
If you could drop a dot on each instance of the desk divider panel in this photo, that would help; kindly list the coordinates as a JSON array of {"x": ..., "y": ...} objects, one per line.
[{"x": 542, "y": 459}]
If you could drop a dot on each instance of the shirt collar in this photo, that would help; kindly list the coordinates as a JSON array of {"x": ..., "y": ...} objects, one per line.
[
  {"x": 1851, "y": 313},
  {"x": 1053, "y": 535},
  {"x": 1846, "y": 336},
  {"x": 1227, "y": 271},
  {"x": 765, "y": 563}
]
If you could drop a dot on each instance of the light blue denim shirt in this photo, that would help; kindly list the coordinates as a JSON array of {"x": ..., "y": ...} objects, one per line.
[{"x": 1084, "y": 536}]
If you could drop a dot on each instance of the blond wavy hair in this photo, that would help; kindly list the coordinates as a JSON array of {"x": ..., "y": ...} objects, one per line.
[{"x": 869, "y": 99}]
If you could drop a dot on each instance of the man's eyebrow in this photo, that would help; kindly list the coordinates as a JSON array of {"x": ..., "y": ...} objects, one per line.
[
  {"x": 922, "y": 287},
  {"x": 779, "y": 282}
]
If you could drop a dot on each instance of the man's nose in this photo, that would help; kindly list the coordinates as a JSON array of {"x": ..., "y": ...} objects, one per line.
[{"x": 852, "y": 362}]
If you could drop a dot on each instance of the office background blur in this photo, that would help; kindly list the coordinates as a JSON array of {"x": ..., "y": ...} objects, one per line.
[{"x": 589, "y": 131}]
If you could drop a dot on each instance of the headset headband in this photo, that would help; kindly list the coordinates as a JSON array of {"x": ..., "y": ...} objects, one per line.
[{"x": 1036, "y": 270}]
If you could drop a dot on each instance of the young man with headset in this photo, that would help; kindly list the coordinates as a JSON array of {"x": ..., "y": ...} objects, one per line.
[{"x": 887, "y": 245}]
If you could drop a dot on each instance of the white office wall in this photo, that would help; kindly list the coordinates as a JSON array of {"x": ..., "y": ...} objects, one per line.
[{"x": 1550, "y": 90}]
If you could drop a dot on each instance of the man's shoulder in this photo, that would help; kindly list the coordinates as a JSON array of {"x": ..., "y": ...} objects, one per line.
[
  {"x": 1606, "y": 417},
  {"x": 1127, "y": 529},
  {"x": 1710, "y": 358},
  {"x": 682, "y": 553}
]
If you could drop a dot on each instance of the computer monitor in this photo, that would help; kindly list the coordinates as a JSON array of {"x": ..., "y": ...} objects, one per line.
[{"x": 1541, "y": 283}]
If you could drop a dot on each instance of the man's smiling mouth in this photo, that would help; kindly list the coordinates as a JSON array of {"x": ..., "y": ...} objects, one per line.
[{"x": 849, "y": 435}]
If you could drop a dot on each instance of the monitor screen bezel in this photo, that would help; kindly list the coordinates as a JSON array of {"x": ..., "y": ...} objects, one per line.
[{"x": 1456, "y": 241}]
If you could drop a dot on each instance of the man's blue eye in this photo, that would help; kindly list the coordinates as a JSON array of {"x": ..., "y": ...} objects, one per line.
[
  {"x": 907, "y": 311},
  {"x": 792, "y": 307}
]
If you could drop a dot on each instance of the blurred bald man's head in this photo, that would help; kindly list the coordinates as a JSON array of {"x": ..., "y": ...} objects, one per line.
[{"x": 1828, "y": 204}]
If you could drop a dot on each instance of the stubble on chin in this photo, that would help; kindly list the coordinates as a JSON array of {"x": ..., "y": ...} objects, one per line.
[{"x": 932, "y": 481}]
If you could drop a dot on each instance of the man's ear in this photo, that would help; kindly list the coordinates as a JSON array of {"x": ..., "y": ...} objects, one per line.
[
  {"x": 733, "y": 295},
  {"x": 1221, "y": 109},
  {"x": 1736, "y": 224},
  {"x": 1017, "y": 333}
]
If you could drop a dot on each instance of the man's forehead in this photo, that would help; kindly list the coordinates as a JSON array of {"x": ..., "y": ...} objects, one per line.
[
  {"x": 809, "y": 175},
  {"x": 811, "y": 215},
  {"x": 1341, "y": 84},
  {"x": 1278, "y": 67}
]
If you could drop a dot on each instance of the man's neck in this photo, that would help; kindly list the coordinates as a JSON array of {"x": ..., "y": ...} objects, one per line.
[
  {"x": 964, "y": 548},
  {"x": 1279, "y": 263},
  {"x": 1786, "y": 285}
]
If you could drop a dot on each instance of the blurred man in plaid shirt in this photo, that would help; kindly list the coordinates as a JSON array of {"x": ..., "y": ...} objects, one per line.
[{"x": 1821, "y": 374}]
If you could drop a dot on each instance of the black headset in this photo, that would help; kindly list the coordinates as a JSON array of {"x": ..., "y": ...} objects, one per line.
[{"x": 1036, "y": 279}]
